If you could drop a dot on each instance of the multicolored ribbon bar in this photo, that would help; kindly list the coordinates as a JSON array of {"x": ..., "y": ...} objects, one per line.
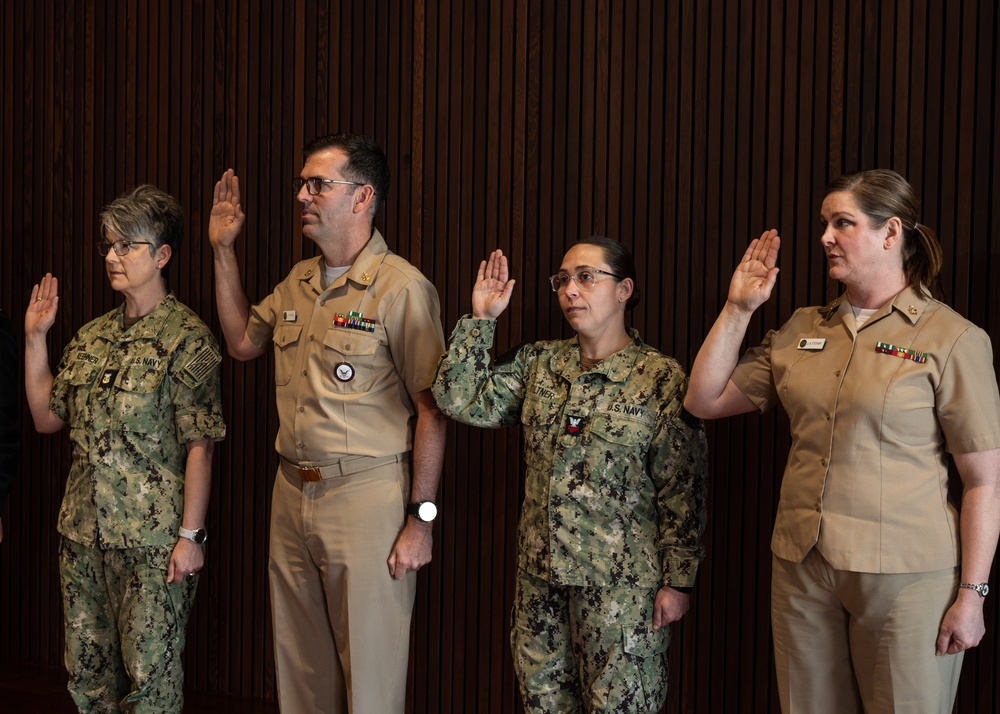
[
  {"x": 887, "y": 349},
  {"x": 354, "y": 321}
]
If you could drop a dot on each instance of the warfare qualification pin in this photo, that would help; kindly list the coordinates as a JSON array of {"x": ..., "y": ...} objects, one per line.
[{"x": 344, "y": 372}]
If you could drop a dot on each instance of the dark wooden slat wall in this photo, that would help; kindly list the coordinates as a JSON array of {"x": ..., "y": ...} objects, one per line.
[{"x": 683, "y": 128}]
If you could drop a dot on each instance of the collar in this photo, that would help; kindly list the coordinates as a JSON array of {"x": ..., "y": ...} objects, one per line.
[
  {"x": 908, "y": 303},
  {"x": 148, "y": 327},
  {"x": 616, "y": 367},
  {"x": 362, "y": 271}
]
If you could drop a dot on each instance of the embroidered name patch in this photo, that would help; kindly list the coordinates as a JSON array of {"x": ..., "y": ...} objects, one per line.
[{"x": 887, "y": 349}]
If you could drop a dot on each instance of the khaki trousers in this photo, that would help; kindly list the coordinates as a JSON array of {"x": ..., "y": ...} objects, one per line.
[
  {"x": 849, "y": 642},
  {"x": 341, "y": 622}
]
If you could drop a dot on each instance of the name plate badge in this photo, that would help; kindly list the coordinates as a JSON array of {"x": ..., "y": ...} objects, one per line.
[{"x": 812, "y": 344}]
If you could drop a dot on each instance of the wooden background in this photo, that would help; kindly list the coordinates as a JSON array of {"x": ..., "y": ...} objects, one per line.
[{"x": 682, "y": 127}]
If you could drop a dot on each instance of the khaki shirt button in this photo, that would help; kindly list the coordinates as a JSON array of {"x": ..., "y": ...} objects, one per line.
[
  {"x": 837, "y": 373},
  {"x": 313, "y": 337},
  {"x": 822, "y": 463},
  {"x": 322, "y": 303},
  {"x": 819, "y": 508},
  {"x": 301, "y": 409},
  {"x": 827, "y": 415},
  {"x": 301, "y": 445},
  {"x": 304, "y": 373}
]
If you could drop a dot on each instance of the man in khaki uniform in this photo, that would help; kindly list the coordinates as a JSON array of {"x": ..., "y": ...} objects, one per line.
[{"x": 356, "y": 333}]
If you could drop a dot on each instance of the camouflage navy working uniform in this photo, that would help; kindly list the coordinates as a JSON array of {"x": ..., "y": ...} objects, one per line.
[
  {"x": 614, "y": 508},
  {"x": 132, "y": 398}
]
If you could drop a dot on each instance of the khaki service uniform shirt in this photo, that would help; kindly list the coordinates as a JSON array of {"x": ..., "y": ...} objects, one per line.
[
  {"x": 615, "y": 490},
  {"x": 344, "y": 391},
  {"x": 133, "y": 399},
  {"x": 867, "y": 474}
]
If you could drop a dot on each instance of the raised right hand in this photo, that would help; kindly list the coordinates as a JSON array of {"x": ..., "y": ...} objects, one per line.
[
  {"x": 756, "y": 274},
  {"x": 493, "y": 288},
  {"x": 41, "y": 312},
  {"x": 226, "y": 220}
]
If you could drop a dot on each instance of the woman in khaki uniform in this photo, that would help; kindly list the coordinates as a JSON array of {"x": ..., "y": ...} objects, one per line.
[{"x": 878, "y": 583}]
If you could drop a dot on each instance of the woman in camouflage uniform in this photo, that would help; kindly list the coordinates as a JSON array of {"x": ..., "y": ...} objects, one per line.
[
  {"x": 139, "y": 389},
  {"x": 610, "y": 533}
]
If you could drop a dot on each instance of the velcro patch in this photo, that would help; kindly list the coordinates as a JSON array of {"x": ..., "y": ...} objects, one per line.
[{"x": 202, "y": 364}]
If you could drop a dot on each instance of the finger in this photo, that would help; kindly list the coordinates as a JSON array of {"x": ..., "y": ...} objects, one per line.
[
  {"x": 943, "y": 643},
  {"x": 508, "y": 290},
  {"x": 235, "y": 186},
  {"x": 748, "y": 255},
  {"x": 773, "y": 243},
  {"x": 503, "y": 272}
]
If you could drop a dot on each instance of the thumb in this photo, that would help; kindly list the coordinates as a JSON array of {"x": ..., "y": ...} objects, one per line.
[{"x": 943, "y": 640}]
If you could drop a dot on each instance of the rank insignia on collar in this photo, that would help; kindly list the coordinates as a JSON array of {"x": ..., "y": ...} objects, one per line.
[
  {"x": 365, "y": 277},
  {"x": 574, "y": 425}
]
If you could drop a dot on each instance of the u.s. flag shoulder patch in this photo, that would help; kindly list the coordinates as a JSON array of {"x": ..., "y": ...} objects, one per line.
[{"x": 201, "y": 365}]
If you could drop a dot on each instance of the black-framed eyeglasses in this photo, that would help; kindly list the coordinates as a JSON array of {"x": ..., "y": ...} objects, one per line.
[
  {"x": 121, "y": 246},
  {"x": 585, "y": 278},
  {"x": 314, "y": 184}
]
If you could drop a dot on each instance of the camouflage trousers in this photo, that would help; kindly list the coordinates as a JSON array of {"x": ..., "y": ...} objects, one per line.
[
  {"x": 125, "y": 628},
  {"x": 585, "y": 649}
]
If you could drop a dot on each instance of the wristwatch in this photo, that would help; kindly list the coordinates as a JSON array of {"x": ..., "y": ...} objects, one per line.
[
  {"x": 198, "y": 536},
  {"x": 425, "y": 511},
  {"x": 982, "y": 588}
]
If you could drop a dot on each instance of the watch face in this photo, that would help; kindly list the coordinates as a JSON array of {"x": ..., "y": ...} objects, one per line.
[
  {"x": 427, "y": 511},
  {"x": 200, "y": 535}
]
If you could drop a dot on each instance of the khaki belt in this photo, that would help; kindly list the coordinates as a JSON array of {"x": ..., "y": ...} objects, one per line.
[{"x": 342, "y": 467}]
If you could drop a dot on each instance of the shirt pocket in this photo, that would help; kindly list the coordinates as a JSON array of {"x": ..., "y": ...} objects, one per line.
[
  {"x": 79, "y": 380},
  {"x": 352, "y": 362},
  {"x": 286, "y": 339},
  {"x": 539, "y": 421},
  {"x": 622, "y": 443},
  {"x": 140, "y": 400}
]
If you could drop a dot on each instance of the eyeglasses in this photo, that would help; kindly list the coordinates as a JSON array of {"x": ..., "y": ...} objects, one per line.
[
  {"x": 585, "y": 278},
  {"x": 121, "y": 247},
  {"x": 314, "y": 184}
]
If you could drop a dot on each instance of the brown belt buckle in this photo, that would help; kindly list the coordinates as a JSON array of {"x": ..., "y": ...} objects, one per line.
[{"x": 309, "y": 475}]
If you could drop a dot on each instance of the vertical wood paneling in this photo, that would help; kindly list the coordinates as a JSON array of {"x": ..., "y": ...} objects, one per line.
[{"x": 683, "y": 129}]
